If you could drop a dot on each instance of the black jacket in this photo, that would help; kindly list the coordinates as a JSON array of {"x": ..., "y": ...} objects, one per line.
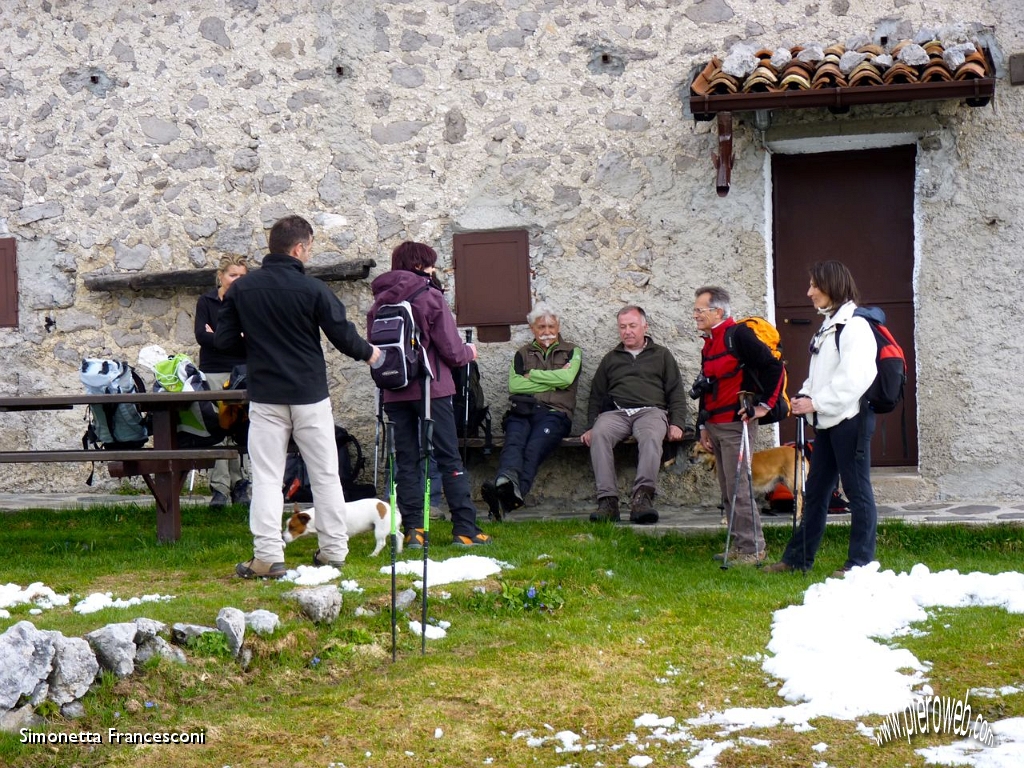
[
  {"x": 211, "y": 359},
  {"x": 281, "y": 310}
]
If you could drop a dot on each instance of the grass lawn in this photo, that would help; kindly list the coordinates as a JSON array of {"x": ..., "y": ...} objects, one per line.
[{"x": 640, "y": 624}]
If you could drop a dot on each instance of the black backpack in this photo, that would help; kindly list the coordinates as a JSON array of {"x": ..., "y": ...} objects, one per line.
[
  {"x": 479, "y": 412},
  {"x": 886, "y": 391},
  {"x": 351, "y": 463},
  {"x": 393, "y": 330}
]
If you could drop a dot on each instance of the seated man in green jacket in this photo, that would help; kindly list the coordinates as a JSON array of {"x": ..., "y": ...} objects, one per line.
[
  {"x": 636, "y": 391},
  {"x": 542, "y": 396}
]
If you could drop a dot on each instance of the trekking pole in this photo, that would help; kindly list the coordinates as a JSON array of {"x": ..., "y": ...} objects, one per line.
[
  {"x": 801, "y": 447},
  {"x": 389, "y": 441},
  {"x": 465, "y": 395},
  {"x": 377, "y": 434},
  {"x": 732, "y": 508},
  {"x": 755, "y": 517},
  {"x": 428, "y": 449},
  {"x": 797, "y": 459}
]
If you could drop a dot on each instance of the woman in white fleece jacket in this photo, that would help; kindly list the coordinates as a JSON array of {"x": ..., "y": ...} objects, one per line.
[{"x": 832, "y": 400}]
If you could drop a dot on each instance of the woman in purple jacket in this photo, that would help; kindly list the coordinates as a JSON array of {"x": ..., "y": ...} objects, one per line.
[{"x": 412, "y": 267}]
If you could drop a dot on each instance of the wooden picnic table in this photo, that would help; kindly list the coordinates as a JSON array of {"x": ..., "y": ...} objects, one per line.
[{"x": 164, "y": 467}]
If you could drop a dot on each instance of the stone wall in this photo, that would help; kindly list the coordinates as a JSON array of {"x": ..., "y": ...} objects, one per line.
[{"x": 159, "y": 135}]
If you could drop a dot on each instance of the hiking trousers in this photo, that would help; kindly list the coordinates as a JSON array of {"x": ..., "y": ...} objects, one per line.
[
  {"x": 842, "y": 451},
  {"x": 312, "y": 428},
  {"x": 649, "y": 426},
  {"x": 727, "y": 440},
  {"x": 529, "y": 440},
  {"x": 405, "y": 418}
]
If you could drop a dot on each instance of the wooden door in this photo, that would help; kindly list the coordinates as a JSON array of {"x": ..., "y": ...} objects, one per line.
[{"x": 856, "y": 207}]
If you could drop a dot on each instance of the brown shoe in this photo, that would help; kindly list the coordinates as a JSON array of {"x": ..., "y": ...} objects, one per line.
[
  {"x": 258, "y": 569},
  {"x": 607, "y": 510},
  {"x": 641, "y": 507},
  {"x": 841, "y": 573},
  {"x": 747, "y": 558},
  {"x": 779, "y": 567}
]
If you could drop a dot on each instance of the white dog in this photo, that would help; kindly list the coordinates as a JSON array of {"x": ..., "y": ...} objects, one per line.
[{"x": 360, "y": 516}]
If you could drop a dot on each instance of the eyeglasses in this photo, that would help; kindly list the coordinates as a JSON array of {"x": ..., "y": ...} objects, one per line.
[{"x": 701, "y": 310}]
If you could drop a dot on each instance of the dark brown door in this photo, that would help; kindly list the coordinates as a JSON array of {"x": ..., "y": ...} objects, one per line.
[{"x": 858, "y": 208}]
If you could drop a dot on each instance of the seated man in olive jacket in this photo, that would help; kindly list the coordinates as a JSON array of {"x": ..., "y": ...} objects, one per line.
[
  {"x": 542, "y": 397},
  {"x": 636, "y": 391}
]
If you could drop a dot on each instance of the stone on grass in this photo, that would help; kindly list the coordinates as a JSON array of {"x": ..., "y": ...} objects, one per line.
[
  {"x": 262, "y": 622},
  {"x": 114, "y": 645},
  {"x": 16, "y": 719},
  {"x": 27, "y": 655},
  {"x": 74, "y": 669},
  {"x": 320, "y": 604},
  {"x": 157, "y": 646},
  {"x": 231, "y": 622}
]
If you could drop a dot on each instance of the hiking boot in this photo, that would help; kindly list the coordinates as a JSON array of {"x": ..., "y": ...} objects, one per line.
[
  {"x": 258, "y": 569},
  {"x": 837, "y": 505},
  {"x": 480, "y": 539},
  {"x": 240, "y": 493},
  {"x": 747, "y": 558},
  {"x": 508, "y": 492},
  {"x": 607, "y": 510},
  {"x": 641, "y": 508},
  {"x": 436, "y": 513},
  {"x": 218, "y": 500},
  {"x": 489, "y": 491},
  {"x": 319, "y": 560},
  {"x": 414, "y": 539},
  {"x": 841, "y": 573},
  {"x": 779, "y": 567}
]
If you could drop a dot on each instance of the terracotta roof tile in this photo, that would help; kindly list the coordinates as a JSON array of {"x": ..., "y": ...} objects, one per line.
[{"x": 837, "y": 67}]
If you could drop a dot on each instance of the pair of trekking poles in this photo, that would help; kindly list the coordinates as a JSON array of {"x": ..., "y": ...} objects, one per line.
[
  {"x": 745, "y": 456},
  {"x": 427, "y": 448}
]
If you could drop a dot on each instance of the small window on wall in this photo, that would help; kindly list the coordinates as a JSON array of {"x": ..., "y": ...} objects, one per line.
[
  {"x": 492, "y": 281},
  {"x": 8, "y": 283}
]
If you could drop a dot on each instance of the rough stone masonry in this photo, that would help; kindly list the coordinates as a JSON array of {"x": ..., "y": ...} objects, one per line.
[{"x": 145, "y": 137}]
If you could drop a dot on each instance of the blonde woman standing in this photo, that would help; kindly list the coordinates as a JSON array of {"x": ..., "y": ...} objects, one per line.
[{"x": 228, "y": 478}]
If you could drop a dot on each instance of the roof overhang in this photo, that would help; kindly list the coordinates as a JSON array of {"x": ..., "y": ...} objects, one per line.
[
  {"x": 976, "y": 93},
  {"x": 797, "y": 81}
]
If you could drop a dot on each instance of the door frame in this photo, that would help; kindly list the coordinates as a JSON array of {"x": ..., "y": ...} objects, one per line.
[{"x": 844, "y": 143}]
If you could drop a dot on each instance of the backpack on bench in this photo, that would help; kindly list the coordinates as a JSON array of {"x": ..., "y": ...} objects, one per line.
[
  {"x": 199, "y": 425},
  {"x": 113, "y": 426}
]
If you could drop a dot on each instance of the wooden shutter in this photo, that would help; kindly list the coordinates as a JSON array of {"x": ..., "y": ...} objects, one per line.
[
  {"x": 8, "y": 283},
  {"x": 492, "y": 281}
]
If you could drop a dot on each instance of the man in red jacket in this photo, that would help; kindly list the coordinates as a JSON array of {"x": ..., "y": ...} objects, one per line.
[{"x": 749, "y": 367}]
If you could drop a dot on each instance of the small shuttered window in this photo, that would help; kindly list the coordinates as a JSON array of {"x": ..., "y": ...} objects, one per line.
[
  {"x": 492, "y": 281},
  {"x": 8, "y": 283}
]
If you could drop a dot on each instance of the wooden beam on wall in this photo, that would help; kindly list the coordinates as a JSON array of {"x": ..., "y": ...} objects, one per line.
[{"x": 356, "y": 269}]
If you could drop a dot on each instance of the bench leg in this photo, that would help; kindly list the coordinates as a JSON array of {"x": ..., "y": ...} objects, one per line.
[{"x": 166, "y": 489}]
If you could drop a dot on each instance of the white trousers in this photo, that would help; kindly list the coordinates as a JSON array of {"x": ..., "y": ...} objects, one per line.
[{"x": 312, "y": 428}]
